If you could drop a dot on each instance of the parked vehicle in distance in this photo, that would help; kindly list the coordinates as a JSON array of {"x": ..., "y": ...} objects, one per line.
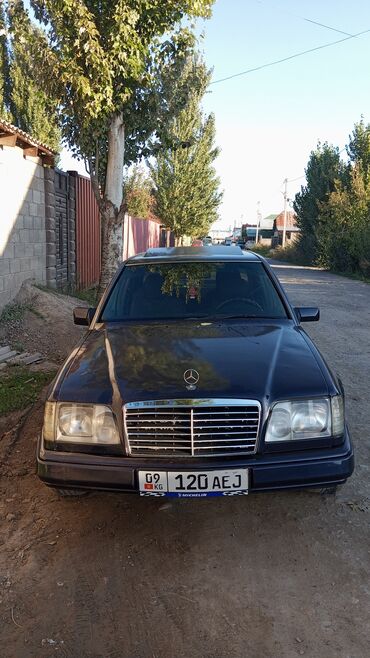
[
  {"x": 197, "y": 243},
  {"x": 207, "y": 241},
  {"x": 195, "y": 378},
  {"x": 228, "y": 242}
]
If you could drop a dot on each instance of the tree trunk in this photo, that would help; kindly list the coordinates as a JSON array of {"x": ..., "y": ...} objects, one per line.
[
  {"x": 112, "y": 210},
  {"x": 116, "y": 153},
  {"x": 111, "y": 245}
]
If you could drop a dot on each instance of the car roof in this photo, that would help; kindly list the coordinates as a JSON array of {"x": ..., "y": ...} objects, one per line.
[{"x": 194, "y": 254}]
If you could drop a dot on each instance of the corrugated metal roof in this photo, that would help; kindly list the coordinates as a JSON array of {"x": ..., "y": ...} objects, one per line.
[
  {"x": 267, "y": 223},
  {"x": 291, "y": 221},
  {"x": 9, "y": 129}
]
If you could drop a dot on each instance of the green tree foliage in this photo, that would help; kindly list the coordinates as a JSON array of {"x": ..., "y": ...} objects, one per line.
[
  {"x": 186, "y": 186},
  {"x": 22, "y": 101},
  {"x": 344, "y": 240},
  {"x": 334, "y": 207},
  {"x": 324, "y": 168},
  {"x": 190, "y": 276},
  {"x": 171, "y": 72},
  {"x": 31, "y": 108},
  {"x": 4, "y": 66},
  {"x": 358, "y": 149},
  {"x": 138, "y": 192}
]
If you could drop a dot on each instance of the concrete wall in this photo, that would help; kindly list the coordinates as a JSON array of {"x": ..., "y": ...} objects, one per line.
[{"x": 22, "y": 222}]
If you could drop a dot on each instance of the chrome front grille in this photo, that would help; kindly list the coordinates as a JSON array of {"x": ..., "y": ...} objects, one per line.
[{"x": 193, "y": 428}]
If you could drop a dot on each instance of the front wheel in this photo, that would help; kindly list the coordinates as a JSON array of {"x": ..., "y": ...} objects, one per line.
[
  {"x": 72, "y": 493},
  {"x": 329, "y": 491},
  {"x": 324, "y": 491}
]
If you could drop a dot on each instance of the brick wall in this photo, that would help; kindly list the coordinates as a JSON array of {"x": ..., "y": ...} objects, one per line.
[{"x": 22, "y": 222}]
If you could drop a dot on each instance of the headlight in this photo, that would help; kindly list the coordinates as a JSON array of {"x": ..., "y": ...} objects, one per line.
[
  {"x": 305, "y": 419},
  {"x": 80, "y": 423},
  {"x": 337, "y": 415}
]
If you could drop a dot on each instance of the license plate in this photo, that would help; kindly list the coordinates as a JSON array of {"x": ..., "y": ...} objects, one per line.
[{"x": 194, "y": 484}]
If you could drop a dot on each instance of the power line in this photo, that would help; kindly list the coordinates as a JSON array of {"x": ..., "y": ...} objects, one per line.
[
  {"x": 293, "y": 180},
  {"x": 303, "y": 18},
  {"x": 328, "y": 27},
  {"x": 286, "y": 59}
]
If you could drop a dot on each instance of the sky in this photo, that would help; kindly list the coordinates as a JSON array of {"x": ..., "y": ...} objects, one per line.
[{"x": 269, "y": 120}]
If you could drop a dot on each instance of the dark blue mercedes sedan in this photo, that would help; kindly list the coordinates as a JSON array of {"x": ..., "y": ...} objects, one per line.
[{"x": 194, "y": 379}]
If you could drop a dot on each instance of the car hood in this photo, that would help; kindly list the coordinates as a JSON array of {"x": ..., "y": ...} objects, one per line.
[{"x": 263, "y": 360}]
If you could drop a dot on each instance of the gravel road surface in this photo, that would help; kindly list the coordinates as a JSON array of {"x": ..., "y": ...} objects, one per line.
[{"x": 268, "y": 576}]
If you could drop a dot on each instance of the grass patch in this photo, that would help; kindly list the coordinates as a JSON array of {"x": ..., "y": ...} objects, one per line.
[
  {"x": 13, "y": 312},
  {"x": 89, "y": 295},
  {"x": 35, "y": 312},
  {"x": 290, "y": 254},
  {"x": 262, "y": 249},
  {"x": 19, "y": 388}
]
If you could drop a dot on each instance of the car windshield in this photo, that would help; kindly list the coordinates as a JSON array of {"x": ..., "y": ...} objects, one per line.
[{"x": 208, "y": 290}]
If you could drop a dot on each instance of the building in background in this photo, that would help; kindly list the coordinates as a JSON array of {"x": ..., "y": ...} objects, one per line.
[
  {"x": 262, "y": 233},
  {"x": 292, "y": 230}
]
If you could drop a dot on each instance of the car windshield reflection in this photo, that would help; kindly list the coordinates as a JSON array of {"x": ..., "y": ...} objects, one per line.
[{"x": 193, "y": 291}]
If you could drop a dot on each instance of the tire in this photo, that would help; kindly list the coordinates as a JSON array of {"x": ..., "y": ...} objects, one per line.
[
  {"x": 72, "y": 493},
  {"x": 329, "y": 491},
  {"x": 324, "y": 491}
]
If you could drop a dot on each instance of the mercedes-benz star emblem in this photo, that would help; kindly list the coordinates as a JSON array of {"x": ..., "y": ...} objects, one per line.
[{"x": 191, "y": 378}]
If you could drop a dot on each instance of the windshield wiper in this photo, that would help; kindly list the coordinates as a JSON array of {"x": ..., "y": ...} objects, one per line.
[
  {"x": 236, "y": 316},
  {"x": 248, "y": 317},
  {"x": 215, "y": 318}
]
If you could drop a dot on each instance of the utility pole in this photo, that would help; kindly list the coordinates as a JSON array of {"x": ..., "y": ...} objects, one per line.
[
  {"x": 258, "y": 219},
  {"x": 285, "y": 210}
]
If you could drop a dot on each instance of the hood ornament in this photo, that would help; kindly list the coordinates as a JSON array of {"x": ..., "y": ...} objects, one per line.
[{"x": 191, "y": 378}]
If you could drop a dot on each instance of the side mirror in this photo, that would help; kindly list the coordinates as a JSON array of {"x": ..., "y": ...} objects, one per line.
[
  {"x": 307, "y": 313},
  {"x": 83, "y": 316}
]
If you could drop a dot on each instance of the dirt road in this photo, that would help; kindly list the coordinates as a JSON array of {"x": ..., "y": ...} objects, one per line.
[{"x": 269, "y": 576}]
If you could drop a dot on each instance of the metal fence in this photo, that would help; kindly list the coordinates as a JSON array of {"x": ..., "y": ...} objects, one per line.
[
  {"x": 87, "y": 235},
  {"x": 138, "y": 235}
]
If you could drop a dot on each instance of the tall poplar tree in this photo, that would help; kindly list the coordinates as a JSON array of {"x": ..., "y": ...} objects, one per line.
[
  {"x": 186, "y": 185},
  {"x": 358, "y": 149},
  {"x": 4, "y": 66},
  {"x": 324, "y": 169},
  {"x": 22, "y": 100}
]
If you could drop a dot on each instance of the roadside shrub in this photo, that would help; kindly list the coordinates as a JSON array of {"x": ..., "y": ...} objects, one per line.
[
  {"x": 292, "y": 254},
  {"x": 262, "y": 249},
  {"x": 137, "y": 192}
]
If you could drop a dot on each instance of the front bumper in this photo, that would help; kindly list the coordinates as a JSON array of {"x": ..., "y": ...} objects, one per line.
[{"x": 268, "y": 472}]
